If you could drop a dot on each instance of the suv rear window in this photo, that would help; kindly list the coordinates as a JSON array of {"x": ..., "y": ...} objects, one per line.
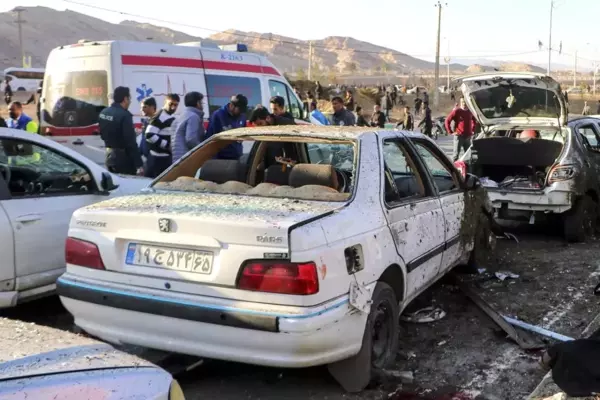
[{"x": 220, "y": 88}]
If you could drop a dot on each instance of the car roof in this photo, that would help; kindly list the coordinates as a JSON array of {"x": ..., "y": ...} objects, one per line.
[
  {"x": 313, "y": 131},
  {"x": 493, "y": 74},
  {"x": 583, "y": 118}
]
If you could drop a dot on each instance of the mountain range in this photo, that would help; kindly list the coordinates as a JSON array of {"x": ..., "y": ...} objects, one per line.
[{"x": 47, "y": 28}]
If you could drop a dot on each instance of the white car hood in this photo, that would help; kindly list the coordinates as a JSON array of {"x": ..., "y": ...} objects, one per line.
[{"x": 515, "y": 99}]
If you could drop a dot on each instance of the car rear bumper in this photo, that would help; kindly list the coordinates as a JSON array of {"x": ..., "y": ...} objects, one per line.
[
  {"x": 318, "y": 335},
  {"x": 548, "y": 202}
]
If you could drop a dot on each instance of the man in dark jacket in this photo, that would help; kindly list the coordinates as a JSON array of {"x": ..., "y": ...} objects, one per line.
[
  {"x": 341, "y": 116},
  {"x": 360, "y": 118},
  {"x": 277, "y": 104},
  {"x": 8, "y": 93},
  {"x": 426, "y": 123},
  {"x": 118, "y": 134},
  {"x": 408, "y": 123},
  {"x": 464, "y": 126},
  {"x": 231, "y": 116},
  {"x": 378, "y": 117},
  {"x": 158, "y": 135},
  {"x": 262, "y": 117},
  {"x": 3, "y": 123}
]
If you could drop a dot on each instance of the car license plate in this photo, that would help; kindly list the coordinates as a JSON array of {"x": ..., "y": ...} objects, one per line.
[{"x": 197, "y": 261}]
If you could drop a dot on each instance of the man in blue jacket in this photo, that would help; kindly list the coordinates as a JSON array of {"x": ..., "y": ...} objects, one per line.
[{"x": 231, "y": 116}]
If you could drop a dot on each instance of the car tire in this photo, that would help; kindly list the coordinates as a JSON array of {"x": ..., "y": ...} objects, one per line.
[
  {"x": 379, "y": 344},
  {"x": 580, "y": 222}
]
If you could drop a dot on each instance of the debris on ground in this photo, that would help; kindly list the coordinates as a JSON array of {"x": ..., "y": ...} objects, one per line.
[
  {"x": 523, "y": 339},
  {"x": 406, "y": 377},
  {"x": 557, "y": 396},
  {"x": 503, "y": 275},
  {"x": 537, "y": 329},
  {"x": 424, "y": 315}
]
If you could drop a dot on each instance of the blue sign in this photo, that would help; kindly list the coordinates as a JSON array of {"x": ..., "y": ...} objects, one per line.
[{"x": 143, "y": 92}]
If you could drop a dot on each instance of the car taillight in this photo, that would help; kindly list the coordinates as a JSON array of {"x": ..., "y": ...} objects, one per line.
[
  {"x": 561, "y": 173},
  {"x": 462, "y": 167},
  {"x": 279, "y": 277},
  {"x": 83, "y": 253}
]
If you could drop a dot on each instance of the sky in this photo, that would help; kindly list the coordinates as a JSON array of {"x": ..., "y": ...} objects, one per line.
[{"x": 470, "y": 29}]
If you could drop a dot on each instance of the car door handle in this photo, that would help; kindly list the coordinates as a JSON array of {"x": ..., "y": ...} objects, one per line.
[{"x": 28, "y": 218}]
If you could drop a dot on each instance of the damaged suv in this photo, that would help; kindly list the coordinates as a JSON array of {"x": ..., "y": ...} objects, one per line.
[{"x": 532, "y": 162}]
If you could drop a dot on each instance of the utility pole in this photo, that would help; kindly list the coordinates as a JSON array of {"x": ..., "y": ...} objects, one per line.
[
  {"x": 447, "y": 61},
  {"x": 595, "y": 66},
  {"x": 436, "y": 91},
  {"x": 575, "y": 71},
  {"x": 19, "y": 21},
  {"x": 550, "y": 39},
  {"x": 310, "y": 48}
]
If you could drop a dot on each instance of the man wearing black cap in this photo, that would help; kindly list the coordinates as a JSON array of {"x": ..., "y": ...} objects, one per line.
[{"x": 231, "y": 116}]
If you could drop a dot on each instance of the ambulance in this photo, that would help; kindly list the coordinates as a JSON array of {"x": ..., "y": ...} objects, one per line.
[{"x": 81, "y": 77}]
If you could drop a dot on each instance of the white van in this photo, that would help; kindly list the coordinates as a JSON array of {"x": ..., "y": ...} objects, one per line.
[
  {"x": 23, "y": 79},
  {"x": 80, "y": 79}
]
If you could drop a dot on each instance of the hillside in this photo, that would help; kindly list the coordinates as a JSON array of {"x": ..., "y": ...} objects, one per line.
[{"x": 47, "y": 28}]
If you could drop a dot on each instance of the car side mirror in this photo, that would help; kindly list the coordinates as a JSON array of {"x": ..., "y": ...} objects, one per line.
[
  {"x": 107, "y": 182},
  {"x": 472, "y": 182}
]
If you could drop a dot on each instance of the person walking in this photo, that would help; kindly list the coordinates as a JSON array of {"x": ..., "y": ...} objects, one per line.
[
  {"x": 231, "y": 116},
  {"x": 408, "y": 122},
  {"x": 117, "y": 132},
  {"x": 586, "y": 109},
  {"x": 426, "y": 122},
  {"x": 8, "y": 93},
  {"x": 190, "y": 126},
  {"x": 464, "y": 126}
]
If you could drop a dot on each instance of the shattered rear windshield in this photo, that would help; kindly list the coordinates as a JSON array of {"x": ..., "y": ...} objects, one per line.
[
  {"x": 294, "y": 167},
  {"x": 516, "y": 101}
]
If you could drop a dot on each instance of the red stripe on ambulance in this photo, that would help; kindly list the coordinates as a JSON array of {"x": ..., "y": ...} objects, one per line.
[{"x": 153, "y": 61}]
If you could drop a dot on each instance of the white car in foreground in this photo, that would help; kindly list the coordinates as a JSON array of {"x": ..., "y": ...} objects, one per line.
[
  {"x": 303, "y": 254},
  {"x": 41, "y": 184}
]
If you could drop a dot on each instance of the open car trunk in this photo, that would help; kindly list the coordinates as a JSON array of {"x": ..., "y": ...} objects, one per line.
[{"x": 511, "y": 163}]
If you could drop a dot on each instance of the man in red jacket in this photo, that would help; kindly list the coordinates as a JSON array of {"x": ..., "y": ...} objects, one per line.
[{"x": 464, "y": 126}]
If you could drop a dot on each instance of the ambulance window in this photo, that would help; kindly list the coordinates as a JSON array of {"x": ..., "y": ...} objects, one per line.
[
  {"x": 220, "y": 88},
  {"x": 296, "y": 106}
]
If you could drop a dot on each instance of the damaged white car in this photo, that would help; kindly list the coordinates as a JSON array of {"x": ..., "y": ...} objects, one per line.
[
  {"x": 41, "y": 184},
  {"x": 302, "y": 254},
  {"x": 531, "y": 161}
]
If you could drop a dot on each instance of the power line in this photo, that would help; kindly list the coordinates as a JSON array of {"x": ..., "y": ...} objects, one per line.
[{"x": 295, "y": 43}]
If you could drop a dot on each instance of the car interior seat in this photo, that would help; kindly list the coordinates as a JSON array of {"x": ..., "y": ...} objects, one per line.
[
  {"x": 221, "y": 171},
  {"x": 314, "y": 174}
]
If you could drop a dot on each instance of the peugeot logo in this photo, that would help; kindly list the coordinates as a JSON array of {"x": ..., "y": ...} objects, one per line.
[{"x": 164, "y": 225}]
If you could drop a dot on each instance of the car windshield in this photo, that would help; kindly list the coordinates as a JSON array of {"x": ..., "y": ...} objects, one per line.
[
  {"x": 516, "y": 101},
  {"x": 289, "y": 167}
]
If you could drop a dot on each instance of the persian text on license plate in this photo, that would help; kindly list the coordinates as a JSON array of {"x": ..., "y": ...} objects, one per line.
[{"x": 197, "y": 261}]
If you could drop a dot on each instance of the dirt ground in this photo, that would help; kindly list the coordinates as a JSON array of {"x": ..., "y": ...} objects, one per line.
[{"x": 463, "y": 356}]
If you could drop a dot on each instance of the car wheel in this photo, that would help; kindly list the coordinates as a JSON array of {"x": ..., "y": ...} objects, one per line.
[
  {"x": 379, "y": 345},
  {"x": 579, "y": 223}
]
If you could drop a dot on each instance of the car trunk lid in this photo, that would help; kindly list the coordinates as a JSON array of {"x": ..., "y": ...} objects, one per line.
[
  {"x": 200, "y": 237},
  {"x": 515, "y": 99}
]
